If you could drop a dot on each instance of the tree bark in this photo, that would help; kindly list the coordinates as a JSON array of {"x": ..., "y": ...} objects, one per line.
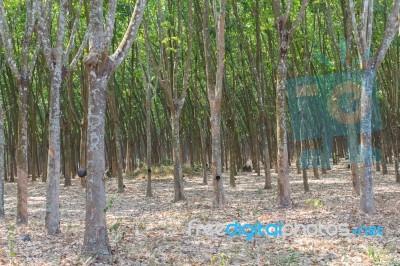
[
  {"x": 148, "y": 131},
  {"x": 99, "y": 68},
  {"x": 370, "y": 64},
  {"x": 176, "y": 154},
  {"x": 52, "y": 219},
  {"x": 285, "y": 34},
  {"x": 367, "y": 192},
  {"x": 22, "y": 156},
  {"x": 282, "y": 152},
  {"x": 22, "y": 73},
  {"x": 96, "y": 238},
  {"x": 215, "y": 96},
  {"x": 2, "y": 172}
]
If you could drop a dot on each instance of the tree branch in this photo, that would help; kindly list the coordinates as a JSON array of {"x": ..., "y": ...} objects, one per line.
[
  {"x": 359, "y": 44},
  {"x": 393, "y": 23},
  {"x": 43, "y": 32},
  {"x": 299, "y": 17},
  {"x": 188, "y": 56},
  {"x": 130, "y": 35},
  {"x": 110, "y": 22},
  {"x": 71, "y": 42},
  {"x": 7, "y": 42},
  {"x": 79, "y": 53}
]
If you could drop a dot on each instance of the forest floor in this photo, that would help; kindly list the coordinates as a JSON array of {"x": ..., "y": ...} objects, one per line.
[{"x": 153, "y": 231}]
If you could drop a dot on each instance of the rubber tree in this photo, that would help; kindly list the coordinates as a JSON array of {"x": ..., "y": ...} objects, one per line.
[
  {"x": 285, "y": 35},
  {"x": 21, "y": 63},
  {"x": 99, "y": 67},
  {"x": 167, "y": 69},
  {"x": 2, "y": 173},
  {"x": 56, "y": 60},
  {"x": 214, "y": 90},
  {"x": 369, "y": 64}
]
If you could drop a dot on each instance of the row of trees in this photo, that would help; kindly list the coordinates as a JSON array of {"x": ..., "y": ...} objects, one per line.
[{"x": 88, "y": 96}]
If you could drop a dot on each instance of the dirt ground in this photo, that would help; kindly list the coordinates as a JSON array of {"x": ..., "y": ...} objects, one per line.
[{"x": 153, "y": 231}]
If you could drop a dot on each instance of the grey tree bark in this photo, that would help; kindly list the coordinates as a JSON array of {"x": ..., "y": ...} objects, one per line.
[
  {"x": 285, "y": 35},
  {"x": 22, "y": 72},
  {"x": 148, "y": 134},
  {"x": 215, "y": 95},
  {"x": 2, "y": 144},
  {"x": 56, "y": 60},
  {"x": 166, "y": 70},
  {"x": 370, "y": 63},
  {"x": 99, "y": 67}
]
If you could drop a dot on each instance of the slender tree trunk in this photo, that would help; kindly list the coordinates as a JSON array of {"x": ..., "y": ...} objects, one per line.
[
  {"x": 83, "y": 135},
  {"x": 383, "y": 148},
  {"x": 118, "y": 165},
  {"x": 83, "y": 150},
  {"x": 204, "y": 152},
  {"x": 325, "y": 164},
  {"x": 219, "y": 199},
  {"x": 33, "y": 147},
  {"x": 352, "y": 138},
  {"x": 231, "y": 138},
  {"x": 119, "y": 158},
  {"x": 396, "y": 155},
  {"x": 363, "y": 36},
  {"x": 285, "y": 34},
  {"x": 282, "y": 154},
  {"x": 2, "y": 168},
  {"x": 261, "y": 99},
  {"x": 148, "y": 135},
  {"x": 297, "y": 151},
  {"x": 232, "y": 167},
  {"x": 22, "y": 156},
  {"x": 21, "y": 71},
  {"x": 267, "y": 169},
  {"x": 367, "y": 192},
  {"x": 314, "y": 159},
  {"x": 176, "y": 154},
  {"x": 52, "y": 219},
  {"x": 304, "y": 167},
  {"x": 69, "y": 149},
  {"x": 215, "y": 106}
]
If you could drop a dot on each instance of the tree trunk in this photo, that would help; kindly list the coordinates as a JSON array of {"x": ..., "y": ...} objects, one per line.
[
  {"x": 2, "y": 172},
  {"x": 117, "y": 140},
  {"x": 33, "y": 147},
  {"x": 314, "y": 158},
  {"x": 267, "y": 169},
  {"x": 96, "y": 237},
  {"x": 22, "y": 156},
  {"x": 203, "y": 138},
  {"x": 383, "y": 148},
  {"x": 367, "y": 193},
  {"x": 84, "y": 134},
  {"x": 352, "y": 138},
  {"x": 396, "y": 156},
  {"x": 231, "y": 146},
  {"x": 297, "y": 156},
  {"x": 176, "y": 154},
  {"x": 282, "y": 154},
  {"x": 52, "y": 219},
  {"x": 218, "y": 188},
  {"x": 304, "y": 166},
  {"x": 69, "y": 162},
  {"x": 148, "y": 135}
]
